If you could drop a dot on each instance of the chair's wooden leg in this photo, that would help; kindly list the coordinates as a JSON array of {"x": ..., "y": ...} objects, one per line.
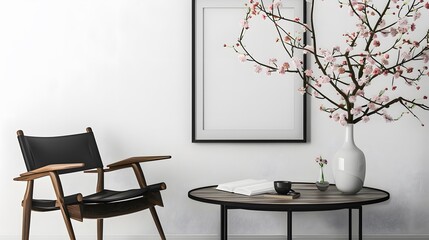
[
  {"x": 68, "y": 223},
  {"x": 26, "y": 207},
  {"x": 100, "y": 187},
  {"x": 157, "y": 222},
  {"x": 26, "y": 223},
  {"x": 99, "y": 229},
  {"x": 60, "y": 203},
  {"x": 142, "y": 182}
]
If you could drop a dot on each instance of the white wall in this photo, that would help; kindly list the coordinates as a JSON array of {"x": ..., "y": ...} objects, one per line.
[{"x": 124, "y": 68}]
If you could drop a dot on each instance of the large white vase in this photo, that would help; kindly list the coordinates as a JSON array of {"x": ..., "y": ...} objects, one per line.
[{"x": 349, "y": 165}]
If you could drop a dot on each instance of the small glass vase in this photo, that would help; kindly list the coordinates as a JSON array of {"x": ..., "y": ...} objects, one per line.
[{"x": 322, "y": 185}]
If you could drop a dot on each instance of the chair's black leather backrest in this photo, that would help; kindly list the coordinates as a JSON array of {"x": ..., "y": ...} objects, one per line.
[{"x": 78, "y": 148}]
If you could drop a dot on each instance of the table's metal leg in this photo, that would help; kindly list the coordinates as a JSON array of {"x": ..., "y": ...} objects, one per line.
[
  {"x": 360, "y": 223},
  {"x": 289, "y": 225},
  {"x": 350, "y": 223},
  {"x": 223, "y": 222}
]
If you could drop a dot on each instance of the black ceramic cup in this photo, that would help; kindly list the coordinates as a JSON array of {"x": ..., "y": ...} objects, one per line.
[{"x": 283, "y": 187}]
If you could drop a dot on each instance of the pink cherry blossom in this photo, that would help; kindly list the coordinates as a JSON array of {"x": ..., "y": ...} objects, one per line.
[
  {"x": 336, "y": 117},
  {"x": 417, "y": 15},
  {"x": 343, "y": 120},
  {"x": 254, "y": 8},
  {"x": 284, "y": 68},
  {"x": 297, "y": 62},
  {"x": 315, "y": 93},
  {"x": 360, "y": 7},
  {"x": 352, "y": 99},
  {"x": 376, "y": 71},
  {"x": 370, "y": 60},
  {"x": 397, "y": 74},
  {"x": 376, "y": 43},
  {"x": 384, "y": 98},
  {"x": 329, "y": 58},
  {"x": 258, "y": 69},
  {"x": 368, "y": 69},
  {"x": 393, "y": 31},
  {"x": 403, "y": 22},
  {"x": 323, "y": 79},
  {"x": 356, "y": 111},
  {"x": 245, "y": 24},
  {"x": 372, "y": 106},
  {"x": 242, "y": 57},
  {"x": 308, "y": 72},
  {"x": 387, "y": 117},
  {"x": 410, "y": 70},
  {"x": 341, "y": 70},
  {"x": 302, "y": 90},
  {"x": 365, "y": 119},
  {"x": 403, "y": 30},
  {"x": 406, "y": 55},
  {"x": 272, "y": 61}
]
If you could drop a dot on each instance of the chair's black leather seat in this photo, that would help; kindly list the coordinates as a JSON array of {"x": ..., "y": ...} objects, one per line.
[{"x": 105, "y": 196}]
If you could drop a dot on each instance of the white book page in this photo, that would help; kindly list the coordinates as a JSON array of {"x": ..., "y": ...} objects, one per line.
[
  {"x": 260, "y": 188},
  {"x": 231, "y": 186}
]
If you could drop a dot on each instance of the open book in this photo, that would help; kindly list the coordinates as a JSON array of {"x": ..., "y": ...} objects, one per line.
[{"x": 248, "y": 187}]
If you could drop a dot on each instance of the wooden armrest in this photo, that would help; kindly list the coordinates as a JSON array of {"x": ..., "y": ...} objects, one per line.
[
  {"x": 44, "y": 171},
  {"x": 133, "y": 160},
  {"x": 29, "y": 177},
  {"x": 53, "y": 167},
  {"x": 93, "y": 171}
]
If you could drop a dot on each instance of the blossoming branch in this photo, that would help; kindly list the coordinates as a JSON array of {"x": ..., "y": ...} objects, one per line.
[{"x": 384, "y": 47}]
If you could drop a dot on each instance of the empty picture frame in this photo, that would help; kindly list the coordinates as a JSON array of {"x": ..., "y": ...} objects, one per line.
[{"x": 230, "y": 101}]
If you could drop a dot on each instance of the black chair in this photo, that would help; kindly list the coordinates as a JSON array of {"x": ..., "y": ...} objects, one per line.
[{"x": 53, "y": 156}]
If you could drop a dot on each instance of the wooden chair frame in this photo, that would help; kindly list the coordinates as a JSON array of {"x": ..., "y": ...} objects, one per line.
[{"x": 73, "y": 207}]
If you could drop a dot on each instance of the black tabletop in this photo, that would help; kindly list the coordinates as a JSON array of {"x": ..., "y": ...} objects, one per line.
[{"x": 311, "y": 199}]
